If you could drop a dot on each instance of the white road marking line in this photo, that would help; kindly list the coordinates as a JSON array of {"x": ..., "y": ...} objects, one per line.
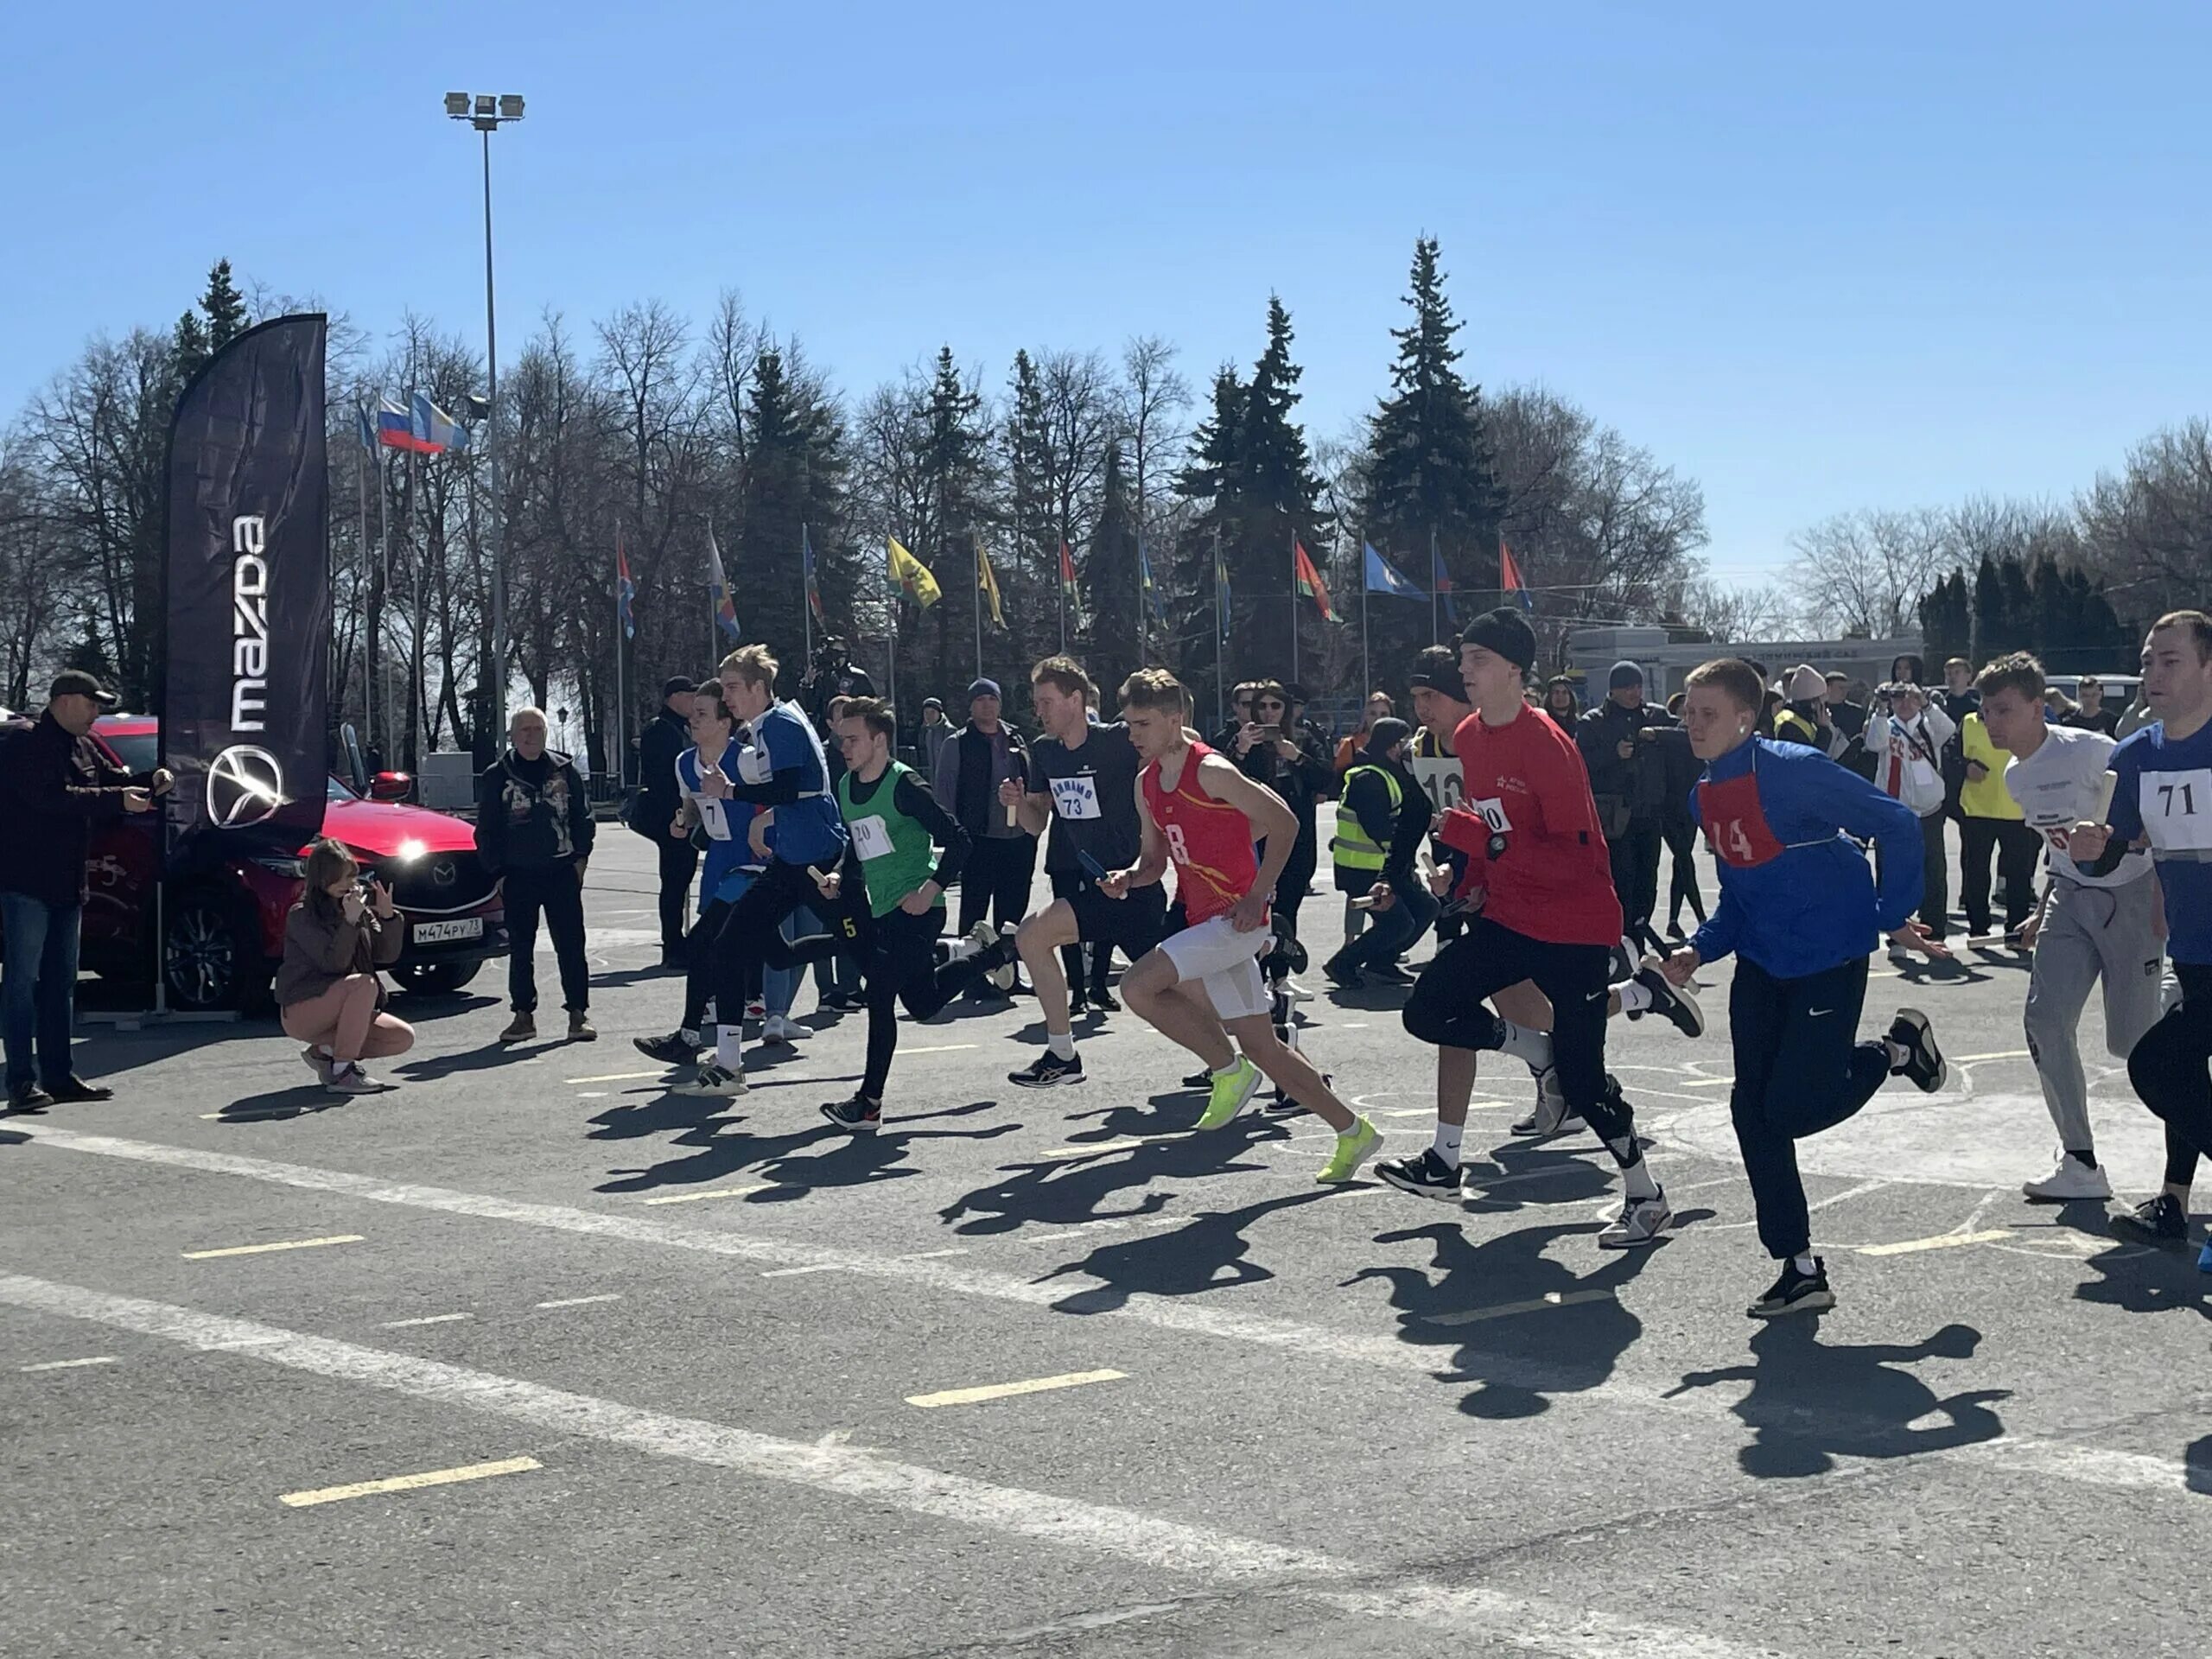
[
  {"x": 1502, "y": 1310},
  {"x": 1850, "y": 1192},
  {"x": 264, "y": 1250},
  {"x": 1099, "y": 1149},
  {"x": 1007, "y": 1390},
  {"x": 2003, "y": 1054},
  {"x": 580, "y": 1301},
  {"x": 430, "y": 1318},
  {"x": 70, "y": 1364},
  {"x": 1944, "y": 1241},
  {"x": 591, "y": 1094},
  {"x": 1384, "y": 1351},
  {"x": 620, "y": 1077},
  {"x": 942, "y": 1048},
  {"x": 1708, "y": 1082},
  {"x": 1474, "y": 1615},
  {"x": 931, "y": 1255},
  {"x": 792, "y": 1273},
  {"x": 711, "y": 1192},
  {"x": 410, "y": 1483}
]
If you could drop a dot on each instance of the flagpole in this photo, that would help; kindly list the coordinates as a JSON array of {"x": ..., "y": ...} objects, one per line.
[
  {"x": 620, "y": 741},
  {"x": 1063, "y": 586},
  {"x": 1435, "y": 594},
  {"x": 368, "y": 638},
  {"x": 1366, "y": 599},
  {"x": 1293, "y": 605},
  {"x": 1141, "y": 598},
  {"x": 418, "y": 644},
  {"x": 976, "y": 537},
  {"x": 1220, "y": 632},
  {"x": 806, "y": 594}
]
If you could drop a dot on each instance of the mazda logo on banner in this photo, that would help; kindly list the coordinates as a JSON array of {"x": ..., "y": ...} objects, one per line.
[
  {"x": 245, "y": 686},
  {"x": 246, "y": 786}
]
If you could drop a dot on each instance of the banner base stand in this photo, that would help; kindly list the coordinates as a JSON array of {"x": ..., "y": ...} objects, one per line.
[{"x": 139, "y": 1019}]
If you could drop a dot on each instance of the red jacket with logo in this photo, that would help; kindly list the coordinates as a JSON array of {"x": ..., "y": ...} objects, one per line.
[{"x": 1529, "y": 829}]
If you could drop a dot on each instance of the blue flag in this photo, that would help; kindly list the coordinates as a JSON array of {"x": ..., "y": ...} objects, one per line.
[
  {"x": 364, "y": 428},
  {"x": 1440, "y": 580},
  {"x": 1221, "y": 597},
  {"x": 1158, "y": 605},
  {"x": 1384, "y": 577}
]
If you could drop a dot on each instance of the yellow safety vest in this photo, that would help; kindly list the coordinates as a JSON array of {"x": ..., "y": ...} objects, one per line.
[{"x": 1349, "y": 848}]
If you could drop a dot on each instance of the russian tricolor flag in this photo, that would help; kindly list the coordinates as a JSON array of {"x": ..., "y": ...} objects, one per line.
[
  {"x": 1509, "y": 577},
  {"x": 396, "y": 431}
]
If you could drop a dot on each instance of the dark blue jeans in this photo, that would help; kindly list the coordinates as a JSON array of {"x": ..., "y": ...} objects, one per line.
[
  {"x": 1390, "y": 933},
  {"x": 38, "y": 987}
]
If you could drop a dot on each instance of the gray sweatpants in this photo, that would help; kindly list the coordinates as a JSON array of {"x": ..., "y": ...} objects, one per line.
[{"x": 2089, "y": 934}]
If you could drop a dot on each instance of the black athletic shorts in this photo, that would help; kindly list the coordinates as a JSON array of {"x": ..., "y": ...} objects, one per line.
[{"x": 1135, "y": 924}]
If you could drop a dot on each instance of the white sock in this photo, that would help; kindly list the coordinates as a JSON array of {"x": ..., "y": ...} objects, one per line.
[
  {"x": 1638, "y": 1177},
  {"x": 1062, "y": 1043},
  {"x": 1534, "y": 1047},
  {"x": 1226, "y": 1070},
  {"x": 1805, "y": 1264},
  {"x": 1448, "y": 1137},
  {"x": 961, "y": 948},
  {"x": 729, "y": 1053},
  {"x": 1352, "y": 1131},
  {"x": 1897, "y": 1056},
  {"x": 1635, "y": 995}
]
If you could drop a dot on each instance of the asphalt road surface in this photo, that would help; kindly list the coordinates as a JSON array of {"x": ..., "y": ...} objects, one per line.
[{"x": 530, "y": 1358}]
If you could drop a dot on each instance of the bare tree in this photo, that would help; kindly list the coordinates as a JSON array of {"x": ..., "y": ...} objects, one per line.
[
  {"x": 1154, "y": 398},
  {"x": 1734, "y": 615},
  {"x": 2147, "y": 528},
  {"x": 1863, "y": 572}
]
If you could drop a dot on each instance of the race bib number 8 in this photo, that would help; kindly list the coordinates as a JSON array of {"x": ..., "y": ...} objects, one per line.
[
  {"x": 2177, "y": 809},
  {"x": 1177, "y": 849},
  {"x": 870, "y": 838},
  {"x": 1076, "y": 798}
]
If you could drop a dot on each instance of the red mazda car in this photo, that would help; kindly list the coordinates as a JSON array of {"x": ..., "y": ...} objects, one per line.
[{"x": 225, "y": 927}]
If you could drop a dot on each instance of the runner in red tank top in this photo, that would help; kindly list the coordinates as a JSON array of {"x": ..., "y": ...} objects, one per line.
[
  {"x": 1538, "y": 878},
  {"x": 1203, "y": 986}
]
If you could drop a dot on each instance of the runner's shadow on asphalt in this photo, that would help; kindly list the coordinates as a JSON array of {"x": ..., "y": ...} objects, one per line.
[
  {"x": 278, "y": 1104},
  {"x": 1520, "y": 1359},
  {"x": 1210, "y": 1253},
  {"x": 489, "y": 1057},
  {"x": 1812, "y": 1402},
  {"x": 1067, "y": 1192},
  {"x": 801, "y": 1161},
  {"x": 2145, "y": 1278}
]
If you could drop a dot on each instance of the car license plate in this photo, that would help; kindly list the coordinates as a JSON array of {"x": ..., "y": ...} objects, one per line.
[{"x": 468, "y": 927}]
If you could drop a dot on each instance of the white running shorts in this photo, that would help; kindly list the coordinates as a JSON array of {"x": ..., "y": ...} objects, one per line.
[{"x": 1226, "y": 963}]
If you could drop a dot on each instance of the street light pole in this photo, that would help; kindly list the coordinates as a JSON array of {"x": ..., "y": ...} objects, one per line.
[{"x": 487, "y": 114}]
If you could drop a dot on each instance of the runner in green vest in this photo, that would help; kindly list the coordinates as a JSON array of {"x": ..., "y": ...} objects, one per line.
[{"x": 901, "y": 849}]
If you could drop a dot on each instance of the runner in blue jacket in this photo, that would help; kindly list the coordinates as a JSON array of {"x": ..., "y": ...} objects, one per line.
[{"x": 1800, "y": 910}]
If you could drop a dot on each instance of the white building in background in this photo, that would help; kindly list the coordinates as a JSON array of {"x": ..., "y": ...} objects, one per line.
[{"x": 1592, "y": 653}]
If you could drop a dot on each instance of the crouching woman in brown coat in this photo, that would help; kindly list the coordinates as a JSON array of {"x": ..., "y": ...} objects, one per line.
[{"x": 327, "y": 991}]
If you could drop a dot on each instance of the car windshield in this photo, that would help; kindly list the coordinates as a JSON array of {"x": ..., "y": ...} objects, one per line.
[
  {"x": 139, "y": 751},
  {"x": 339, "y": 792}
]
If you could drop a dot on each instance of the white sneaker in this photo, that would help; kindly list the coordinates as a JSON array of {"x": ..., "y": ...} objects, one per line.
[
  {"x": 1640, "y": 1222},
  {"x": 317, "y": 1062},
  {"x": 982, "y": 937},
  {"x": 781, "y": 1028},
  {"x": 1551, "y": 1116},
  {"x": 714, "y": 1080},
  {"x": 347, "y": 1077},
  {"x": 1007, "y": 974},
  {"x": 1296, "y": 991},
  {"x": 2071, "y": 1179}
]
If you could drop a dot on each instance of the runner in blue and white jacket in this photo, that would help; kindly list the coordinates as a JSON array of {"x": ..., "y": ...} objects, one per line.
[
  {"x": 1801, "y": 911},
  {"x": 2162, "y": 797}
]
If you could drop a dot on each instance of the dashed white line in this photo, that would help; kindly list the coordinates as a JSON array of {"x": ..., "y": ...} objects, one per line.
[
  {"x": 428, "y": 1318},
  {"x": 580, "y": 1301},
  {"x": 70, "y": 1364}
]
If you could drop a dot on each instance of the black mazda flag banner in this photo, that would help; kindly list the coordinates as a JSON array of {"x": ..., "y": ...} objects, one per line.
[{"x": 248, "y": 594}]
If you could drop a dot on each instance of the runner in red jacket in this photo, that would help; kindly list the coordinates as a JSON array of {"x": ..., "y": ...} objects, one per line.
[{"x": 1538, "y": 878}]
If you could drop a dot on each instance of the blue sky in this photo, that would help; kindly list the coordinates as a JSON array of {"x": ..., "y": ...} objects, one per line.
[{"x": 1934, "y": 250}]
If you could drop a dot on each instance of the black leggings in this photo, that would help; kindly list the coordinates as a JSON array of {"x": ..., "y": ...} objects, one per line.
[
  {"x": 2168, "y": 1069},
  {"x": 750, "y": 934},
  {"x": 1799, "y": 1070},
  {"x": 1680, "y": 836},
  {"x": 2016, "y": 847},
  {"x": 1446, "y": 1009},
  {"x": 1065, "y": 885},
  {"x": 899, "y": 955}
]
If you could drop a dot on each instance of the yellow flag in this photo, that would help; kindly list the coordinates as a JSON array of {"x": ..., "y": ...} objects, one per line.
[
  {"x": 988, "y": 583},
  {"x": 911, "y": 575}
]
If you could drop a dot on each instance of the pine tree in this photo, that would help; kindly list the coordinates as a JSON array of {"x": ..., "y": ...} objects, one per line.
[
  {"x": 793, "y": 480},
  {"x": 1027, "y": 446},
  {"x": 955, "y": 460},
  {"x": 1429, "y": 471},
  {"x": 225, "y": 307},
  {"x": 1108, "y": 579}
]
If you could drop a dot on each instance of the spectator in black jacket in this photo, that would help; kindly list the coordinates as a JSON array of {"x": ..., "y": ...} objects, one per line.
[
  {"x": 1680, "y": 769},
  {"x": 1628, "y": 779},
  {"x": 1002, "y": 856},
  {"x": 56, "y": 783},
  {"x": 653, "y": 811},
  {"x": 1298, "y": 770},
  {"x": 534, "y": 828}
]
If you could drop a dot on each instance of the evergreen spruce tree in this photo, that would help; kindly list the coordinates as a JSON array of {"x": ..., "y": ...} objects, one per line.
[
  {"x": 954, "y": 458},
  {"x": 1029, "y": 569},
  {"x": 1109, "y": 582},
  {"x": 793, "y": 479},
  {"x": 225, "y": 307},
  {"x": 1429, "y": 471}
]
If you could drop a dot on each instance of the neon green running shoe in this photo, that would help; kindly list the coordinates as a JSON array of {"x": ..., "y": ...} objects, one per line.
[
  {"x": 1231, "y": 1089},
  {"x": 1353, "y": 1149}
]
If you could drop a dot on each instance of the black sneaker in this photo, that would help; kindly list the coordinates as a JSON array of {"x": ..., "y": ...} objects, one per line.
[
  {"x": 1104, "y": 1002},
  {"x": 1388, "y": 973},
  {"x": 28, "y": 1097},
  {"x": 1048, "y": 1070},
  {"x": 1199, "y": 1079},
  {"x": 2160, "y": 1220},
  {"x": 859, "y": 1116},
  {"x": 1678, "y": 1006},
  {"x": 1342, "y": 976},
  {"x": 1078, "y": 1004},
  {"x": 1795, "y": 1293},
  {"x": 674, "y": 1049},
  {"x": 1924, "y": 1061},
  {"x": 1426, "y": 1177}
]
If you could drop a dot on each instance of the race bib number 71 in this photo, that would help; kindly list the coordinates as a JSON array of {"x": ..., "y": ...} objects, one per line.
[{"x": 2177, "y": 809}]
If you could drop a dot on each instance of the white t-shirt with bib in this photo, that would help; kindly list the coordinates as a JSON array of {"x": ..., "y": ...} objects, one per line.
[{"x": 2058, "y": 787}]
